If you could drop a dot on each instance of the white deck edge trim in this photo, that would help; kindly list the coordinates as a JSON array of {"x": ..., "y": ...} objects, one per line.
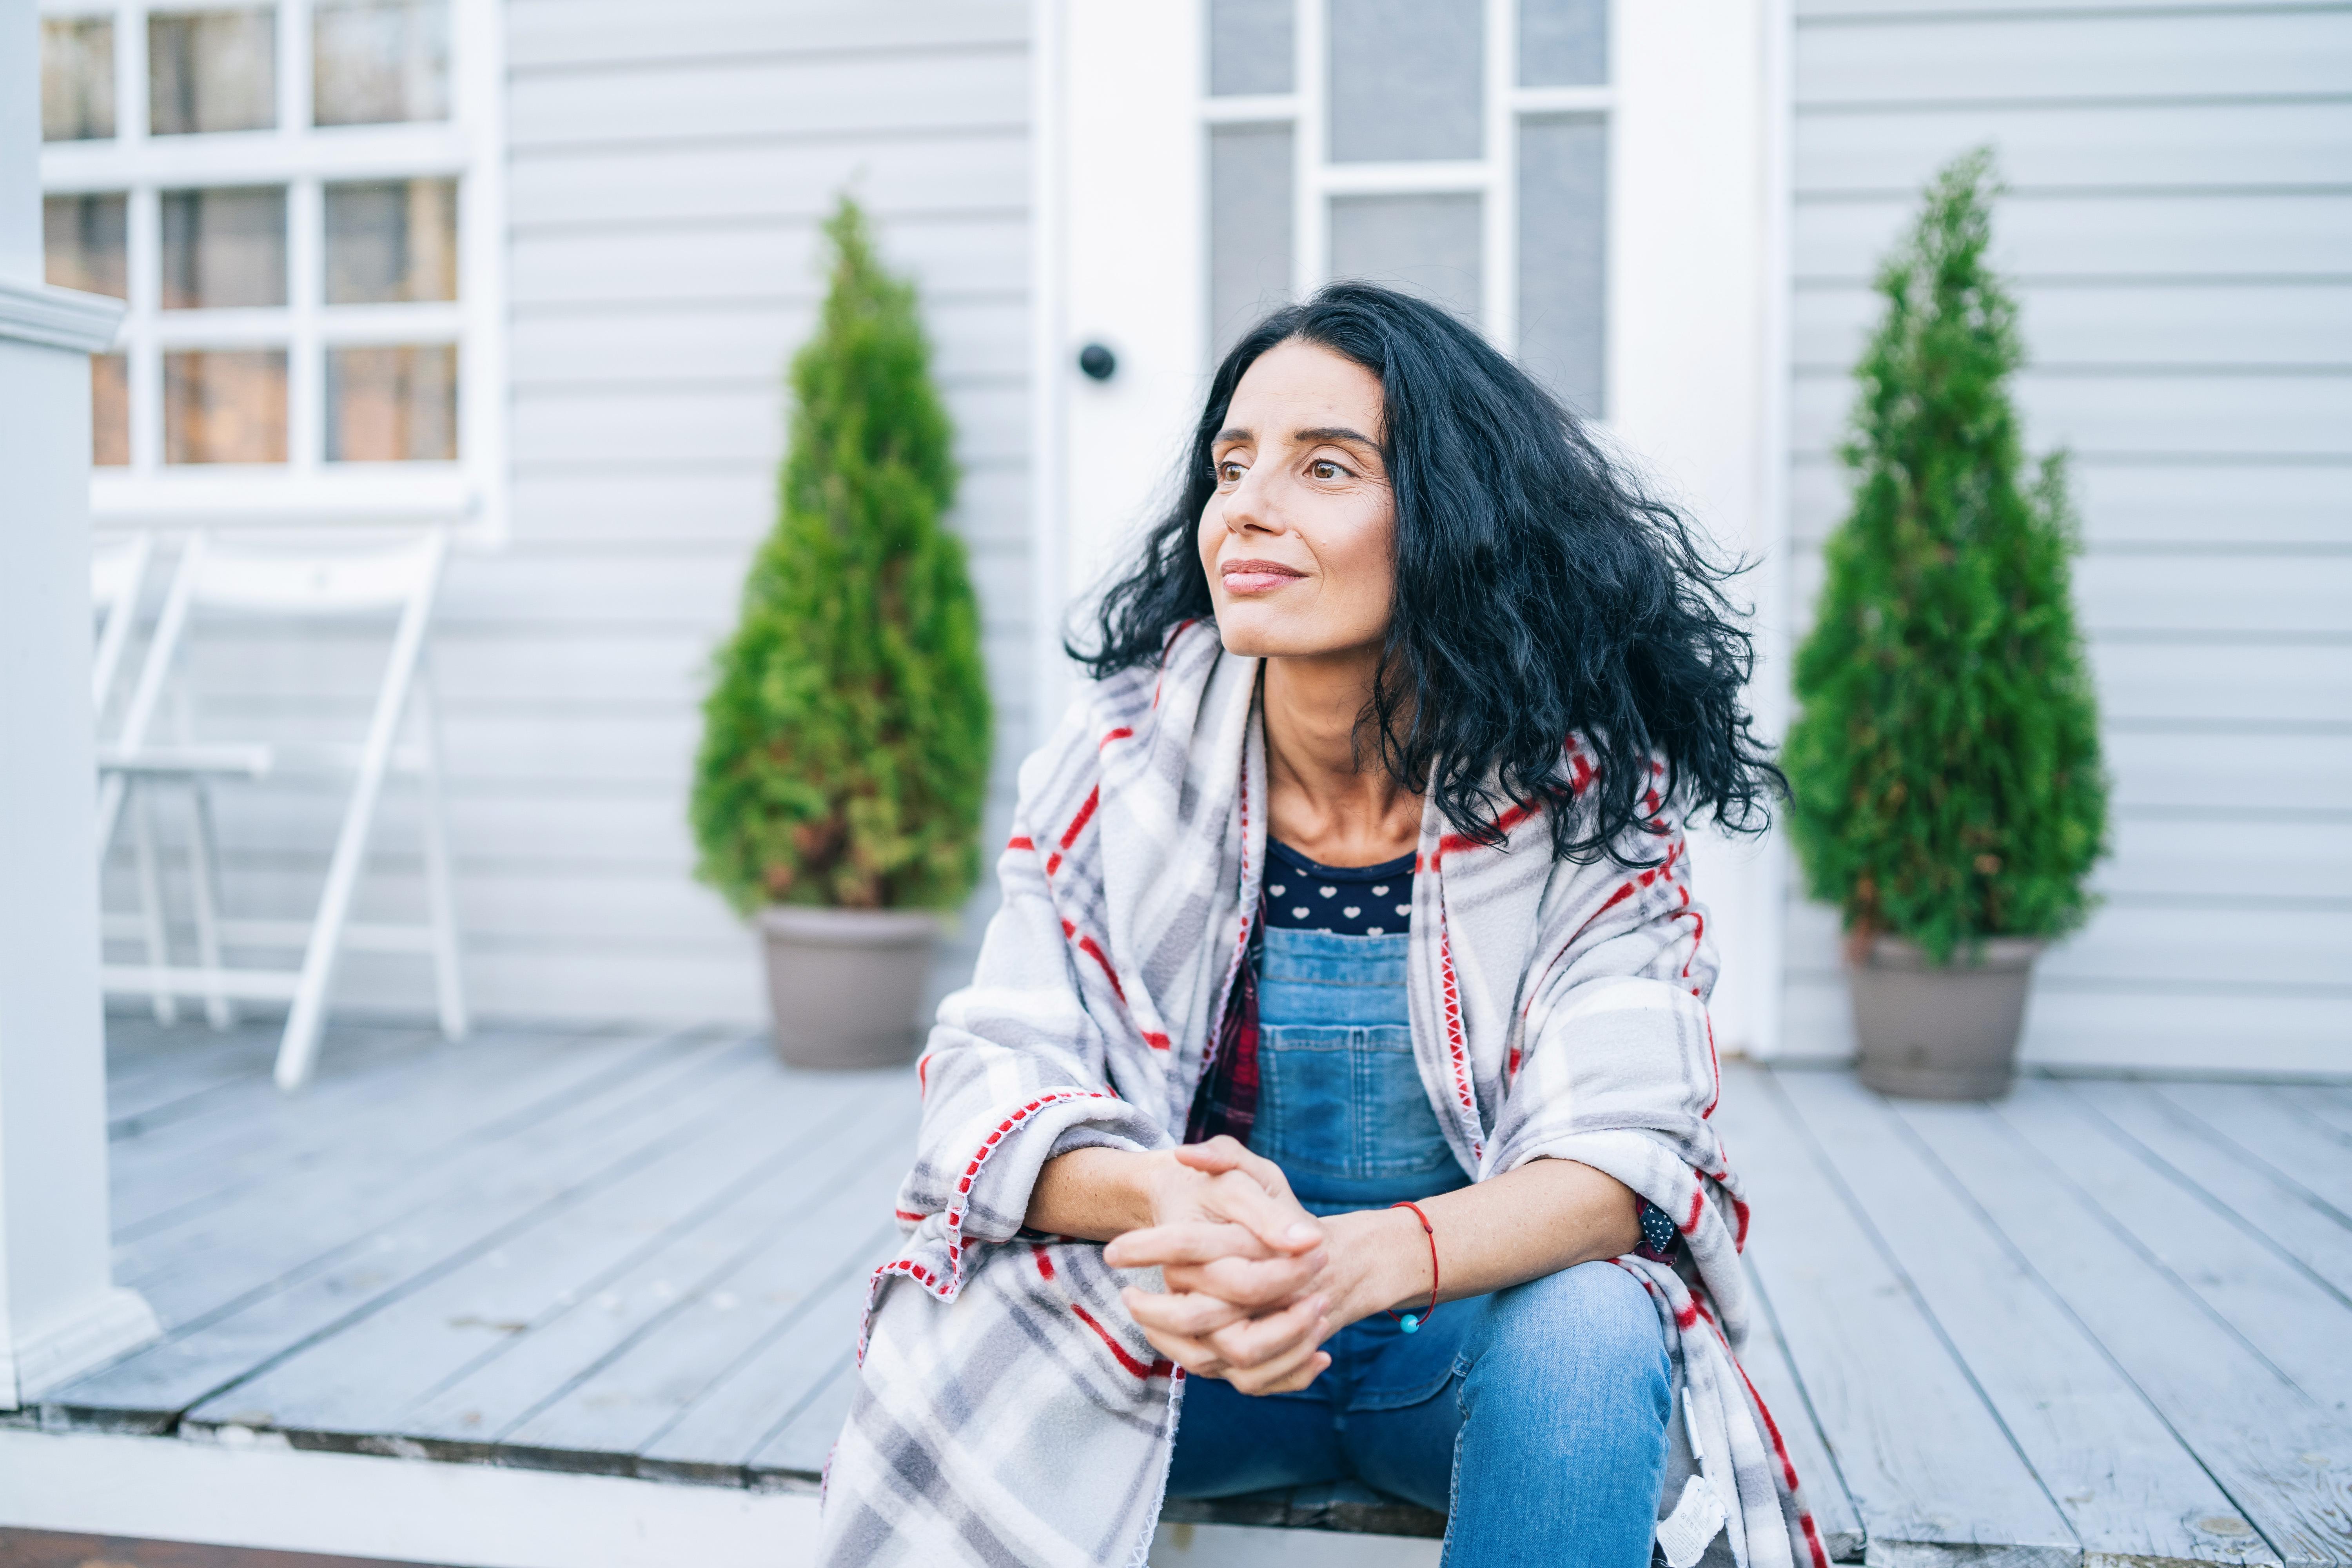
[
  {"x": 58, "y": 317},
  {"x": 117, "y": 1320}
]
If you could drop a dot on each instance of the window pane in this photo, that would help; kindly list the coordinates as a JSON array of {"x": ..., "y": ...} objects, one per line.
[
  {"x": 81, "y": 239},
  {"x": 1563, "y": 250},
  {"x": 1405, "y": 80},
  {"x": 224, "y": 248},
  {"x": 378, "y": 60},
  {"x": 392, "y": 404},
  {"x": 1249, "y": 227},
  {"x": 1563, "y": 43},
  {"x": 110, "y": 410},
  {"x": 1250, "y": 45},
  {"x": 77, "y": 78},
  {"x": 212, "y": 70},
  {"x": 396, "y": 241},
  {"x": 1429, "y": 246},
  {"x": 225, "y": 406}
]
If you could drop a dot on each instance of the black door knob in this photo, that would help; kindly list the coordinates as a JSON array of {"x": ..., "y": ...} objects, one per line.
[{"x": 1097, "y": 362}]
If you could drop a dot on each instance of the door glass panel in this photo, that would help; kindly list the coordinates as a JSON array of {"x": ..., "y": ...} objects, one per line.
[
  {"x": 1249, "y": 227},
  {"x": 376, "y": 61},
  {"x": 212, "y": 70},
  {"x": 1563, "y": 233},
  {"x": 224, "y": 248},
  {"x": 77, "y": 78},
  {"x": 82, "y": 243},
  {"x": 392, "y": 404},
  {"x": 1250, "y": 45},
  {"x": 1425, "y": 245},
  {"x": 1405, "y": 80},
  {"x": 225, "y": 406},
  {"x": 110, "y": 410},
  {"x": 394, "y": 240},
  {"x": 1563, "y": 43}
]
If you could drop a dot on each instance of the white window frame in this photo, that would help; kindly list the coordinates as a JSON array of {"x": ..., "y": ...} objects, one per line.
[
  {"x": 1495, "y": 178},
  {"x": 468, "y": 493}
]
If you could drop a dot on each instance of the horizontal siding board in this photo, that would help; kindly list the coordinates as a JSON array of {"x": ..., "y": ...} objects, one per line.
[
  {"x": 892, "y": 176},
  {"x": 759, "y": 261},
  {"x": 2226, "y": 687},
  {"x": 589, "y": 35},
  {"x": 706, "y": 99},
  {"x": 2229, "y": 327},
  {"x": 2206, "y": 505},
  {"x": 2128, "y": 237},
  {"x": 2105, "y": 146},
  {"x": 2278, "y": 776},
  {"x": 674, "y": 344},
  {"x": 2060, "y": 55},
  {"x": 694, "y": 425},
  {"x": 729, "y": 504}
]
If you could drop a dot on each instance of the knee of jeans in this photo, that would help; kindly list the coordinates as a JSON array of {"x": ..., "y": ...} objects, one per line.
[{"x": 1591, "y": 1332}]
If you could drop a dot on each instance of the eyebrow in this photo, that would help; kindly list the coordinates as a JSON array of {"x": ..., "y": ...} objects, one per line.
[{"x": 1317, "y": 432}]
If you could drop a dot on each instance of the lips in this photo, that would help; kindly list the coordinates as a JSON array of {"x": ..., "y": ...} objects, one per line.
[{"x": 1248, "y": 576}]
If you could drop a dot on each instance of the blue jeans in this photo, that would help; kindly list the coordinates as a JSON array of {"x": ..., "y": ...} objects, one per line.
[{"x": 1537, "y": 1417}]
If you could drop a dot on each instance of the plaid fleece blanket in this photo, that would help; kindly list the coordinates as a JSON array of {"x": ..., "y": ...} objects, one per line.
[{"x": 1007, "y": 1410}]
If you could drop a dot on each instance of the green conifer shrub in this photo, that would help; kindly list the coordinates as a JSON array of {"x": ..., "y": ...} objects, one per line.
[
  {"x": 1945, "y": 768},
  {"x": 846, "y": 739}
]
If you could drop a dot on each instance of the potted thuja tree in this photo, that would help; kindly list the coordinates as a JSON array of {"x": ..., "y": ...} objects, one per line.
[
  {"x": 1946, "y": 788},
  {"x": 846, "y": 739}
]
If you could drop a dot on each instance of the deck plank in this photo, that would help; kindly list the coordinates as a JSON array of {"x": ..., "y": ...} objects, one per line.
[
  {"x": 2282, "y": 1459},
  {"x": 628, "y": 1399},
  {"x": 1932, "y": 1474},
  {"x": 2270, "y": 1126},
  {"x": 285, "y": 1286},
  {"x": 1766, "y": 1360},
  {"x": 2332, "y": 1103},
  {"x": 365, "y": 1380},
  {"x": 801, "y": 1445},
  {"x": 2132, "y": 1493},
  {"x": 2299, "y": 1325},
  {"x": 2285, "y": 1213},
  {"x": 554, "y": 1387}
]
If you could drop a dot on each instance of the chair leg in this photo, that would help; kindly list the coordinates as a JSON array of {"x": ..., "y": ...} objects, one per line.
[
  {"x": 448, "y": 982},
  {"x": 150, "y": 903},
  {"x": 203, "y": 868}
]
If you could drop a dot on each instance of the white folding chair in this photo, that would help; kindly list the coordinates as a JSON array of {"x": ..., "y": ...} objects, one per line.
[
  {"x": 118, "y": 574},
  {"x": 281, "y": 579}
]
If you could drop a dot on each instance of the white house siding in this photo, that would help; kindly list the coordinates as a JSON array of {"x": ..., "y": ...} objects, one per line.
[
  {"x": 668, "y": 165},
  {"x": 2178, "y": 225}
]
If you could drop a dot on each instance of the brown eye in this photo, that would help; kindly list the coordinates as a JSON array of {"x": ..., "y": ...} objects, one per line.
[
  {"x": 1229, "y": 473},
  {"x": 1325, "y": 469}
]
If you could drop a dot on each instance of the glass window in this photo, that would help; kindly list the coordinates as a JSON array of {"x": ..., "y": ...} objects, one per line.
[
  {"x": 1563, "y": 228},
  {"x": 77, "y": 78},
  {"x": 390, "y": 241},
  {"x": 1406, "y": 79},
  {"x": 1250, "y": 45},
  {"x": 1249, "y": 226},
  {"x": 376, "y": 61},
  {"x": 110, "y": 410},
  {"x": 1426, "y": 245},
  {"x": 225, "y": 406},
  {"x": 212, "y": 70},
  {"x": 1563, "y": 43},
  {"x": 224, "y": 248},
  {"x": 82, "y": 243},
  {"x": 392, "y": 404}
]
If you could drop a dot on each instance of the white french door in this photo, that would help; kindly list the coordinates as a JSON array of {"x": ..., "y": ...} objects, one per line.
[{"x": 1594, "y": 183}]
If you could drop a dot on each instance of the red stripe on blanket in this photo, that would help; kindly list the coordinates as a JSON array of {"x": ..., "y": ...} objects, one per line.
[
  {"x": 1698, "y": 1199},
  {"x": 1044, "y": 1261},
  {"x": 1157, "y": 1041},
  {"x": 910, "y": 1216},
  {"x": 1780, "y": 1452},
  {"x": 1159, "y": 1368},
  {"x": 1086, "y": 815},
  {"x": 1088, "y": 946},
  {"x": 1714, "y": 1067},
  {"x": 1450, "y": 843},
  {"x": 1454, "y": 1044},
  {"x": 1021, "y": 841},
  {"x": 1122, "y": 733}
]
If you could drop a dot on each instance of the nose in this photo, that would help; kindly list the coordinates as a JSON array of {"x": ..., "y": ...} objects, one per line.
[{"x": 1246, "y": 507}]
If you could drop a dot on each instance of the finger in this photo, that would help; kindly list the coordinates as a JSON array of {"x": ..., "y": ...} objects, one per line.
[
  {"x": 1189, "y": 1313},
  {"x": 1194, "y": 1356},
  {"x": 1256, "y": 1284},
  {"x": 1275, "y": 1337},
  {"x": 1193, "y": 1241},
  {"x": 1296, "y": 1370},
  {"x": 1278, "y": 1221},
  {"x": 1307, "y": 1371},
  {"x": 1223, "y": 1154}
]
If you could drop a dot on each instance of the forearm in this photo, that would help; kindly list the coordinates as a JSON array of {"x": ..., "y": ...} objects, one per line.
[
  {"x": 1096, "y": 1194},
  {"x": 1546, "y": 1215}
]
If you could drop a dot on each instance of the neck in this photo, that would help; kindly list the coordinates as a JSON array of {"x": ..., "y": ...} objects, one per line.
[{"x": 1329, "y": 794}]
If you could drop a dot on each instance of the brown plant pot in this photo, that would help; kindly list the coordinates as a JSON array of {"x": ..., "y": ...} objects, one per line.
[
  {"x": 1940, "y": 1031},
  {"x": 846, "y": 986}
]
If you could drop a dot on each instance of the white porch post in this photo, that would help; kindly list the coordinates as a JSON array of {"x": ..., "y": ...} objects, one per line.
[{"x": 60, "y": 1311}]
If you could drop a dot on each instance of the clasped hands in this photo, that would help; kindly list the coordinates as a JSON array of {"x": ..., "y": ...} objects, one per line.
[{"x": 1254, "y": 1283}]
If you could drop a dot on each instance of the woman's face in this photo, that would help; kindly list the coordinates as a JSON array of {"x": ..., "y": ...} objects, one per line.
[{"x": 1300, "y": 539}]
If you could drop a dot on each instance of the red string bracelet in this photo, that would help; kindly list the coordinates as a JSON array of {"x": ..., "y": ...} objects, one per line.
[{"x": 1412, "y": 1322}]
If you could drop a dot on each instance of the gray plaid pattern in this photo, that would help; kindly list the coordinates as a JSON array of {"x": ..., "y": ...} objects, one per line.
[{"x": 1008, "y": 1411}]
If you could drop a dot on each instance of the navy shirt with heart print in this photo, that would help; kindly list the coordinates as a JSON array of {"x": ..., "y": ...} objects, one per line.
[{"x": 1346, "y": 900}]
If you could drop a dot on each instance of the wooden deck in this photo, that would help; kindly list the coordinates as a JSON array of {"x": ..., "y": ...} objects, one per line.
[{"x": 2103, "y": 1322}]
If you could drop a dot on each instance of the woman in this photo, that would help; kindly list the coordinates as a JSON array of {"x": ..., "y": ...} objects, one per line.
[{"x": 1355, "y": 878}]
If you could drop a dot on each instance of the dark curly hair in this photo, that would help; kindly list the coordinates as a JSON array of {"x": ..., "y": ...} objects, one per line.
[{"x": 1540, "y": 592}]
